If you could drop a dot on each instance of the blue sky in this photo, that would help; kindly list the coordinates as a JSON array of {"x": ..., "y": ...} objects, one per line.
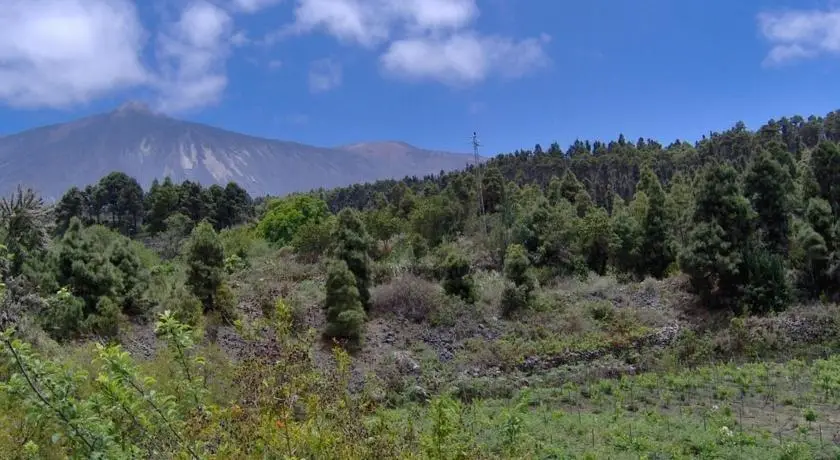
[{"x": 429, "y": 72}]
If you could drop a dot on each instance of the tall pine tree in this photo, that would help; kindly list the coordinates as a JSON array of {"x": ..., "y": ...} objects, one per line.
[
  {"x": 714, "y": 257},
  {"x": 345, "y": 313},
  {"x": 765, "y": 186},
  {"x": 205, "y": 264},
  {"x": 655, "y": 252},
  {"x": 825, "y": 162},
  {"x": 353, "y": 246}
]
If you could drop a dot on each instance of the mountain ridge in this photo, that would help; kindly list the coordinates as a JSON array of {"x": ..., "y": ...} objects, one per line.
[{"x": 149, "y": 145}]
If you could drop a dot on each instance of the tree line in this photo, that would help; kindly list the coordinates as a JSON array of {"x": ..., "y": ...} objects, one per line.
[
  {"x": 119, "y": 202},
  {"x": 749, "y": 217}
]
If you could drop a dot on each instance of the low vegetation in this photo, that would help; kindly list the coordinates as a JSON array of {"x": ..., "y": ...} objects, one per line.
[{"x": 615, "y": 300}]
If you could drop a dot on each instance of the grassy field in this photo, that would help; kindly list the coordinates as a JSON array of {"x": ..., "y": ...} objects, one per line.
[{"x": 785, "y": 411}]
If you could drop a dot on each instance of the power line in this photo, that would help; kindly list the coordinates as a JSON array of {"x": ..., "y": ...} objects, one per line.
[{"x": 477, "y": 165}]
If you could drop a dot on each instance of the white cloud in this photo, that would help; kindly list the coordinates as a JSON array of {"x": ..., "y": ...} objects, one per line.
[
  {"x": 463, "y": 58},
  {"x": 56, "y": 53},
  {"x": 60, "y": 53},
  {"x": 348, "y": 20},
  {"x": 240, "y": 38},
  {"x": 425, "y": 39},
  {"x": 371, "y": 22},
  {"x": 324, "y": 75},
  {"x": 799, "y": 34},
  {"x": 252, "y": 6},
  {"x": 423, "y": 15},
  {"x": 193, "y": 52}
]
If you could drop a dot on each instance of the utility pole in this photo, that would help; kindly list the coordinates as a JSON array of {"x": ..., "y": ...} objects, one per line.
[{"x": 479, "y": 179}]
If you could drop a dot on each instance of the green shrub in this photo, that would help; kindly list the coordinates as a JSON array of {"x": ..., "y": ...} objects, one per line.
[
  {"x": 235, "y": 263},
  {"x": 601, "y": 311},
  {"x": 184, "y": 306},
  {"x": 238, "y": 241},
  {"x": 314, "y": 238},
  {"x": 286, "y": 217},
  {"x": 224, "y": 302},
  {"x": 63, "y": 315},
  {"x": 457, "y": 278},
  {"x": 514, "y": 299},
  {"x": 517, "y": 271},
  {"x": 106, "y": 321}
]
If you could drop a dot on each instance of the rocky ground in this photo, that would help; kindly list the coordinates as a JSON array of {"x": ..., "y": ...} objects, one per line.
[{"x": 409, "y": 348}]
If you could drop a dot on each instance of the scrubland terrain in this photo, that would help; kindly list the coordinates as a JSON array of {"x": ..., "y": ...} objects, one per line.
[{"x": 615, "y": 300}]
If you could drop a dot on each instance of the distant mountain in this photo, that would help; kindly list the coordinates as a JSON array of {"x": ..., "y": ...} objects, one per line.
[
  {"x": 396, "y": 154},
  {"x": 147, "y": 145}
]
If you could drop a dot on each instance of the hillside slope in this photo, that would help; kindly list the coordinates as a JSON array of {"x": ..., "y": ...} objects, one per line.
[{"x": 147, "y": 145}]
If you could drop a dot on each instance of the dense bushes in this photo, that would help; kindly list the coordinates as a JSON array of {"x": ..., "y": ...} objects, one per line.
[
  {"x": 101, "y": 275},
  {"x": 285, "y": 218}
]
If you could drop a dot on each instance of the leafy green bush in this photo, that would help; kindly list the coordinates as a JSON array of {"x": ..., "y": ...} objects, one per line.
[
  {"x": 285, "y": 217},
  {"x": 314, "y": 238},
  {"x": 185, "y": 306},
  {"x": 119, "y": 414}
]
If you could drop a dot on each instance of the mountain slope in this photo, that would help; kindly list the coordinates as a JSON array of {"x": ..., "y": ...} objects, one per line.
[
  {"x": 146, "y": 146},
  {"x": 397, "y": 155}
]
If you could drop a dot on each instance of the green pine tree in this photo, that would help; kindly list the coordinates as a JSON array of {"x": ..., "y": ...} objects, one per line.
[
  {"x": 655, "y": 252},
  {"x": 825, "y": 162},
  {"x": 625, "y": 238},
  {"x": 680, "y": 207},
  {"x": 716, "y": 248},
  {"x": 161, "y": 202},
  {"x": 493, "y": 188},
  {"x": 765, "y": 187},
  {"x": 570, "y": 186},
  {"x": 205, "y": 257},
  {"x": 344, "y": 310},
  {"x": 353, "y": 246},
  {"x": 595, "y": 235}
]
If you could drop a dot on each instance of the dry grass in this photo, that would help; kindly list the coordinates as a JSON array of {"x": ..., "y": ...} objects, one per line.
[{"x": 408, "y": 296}]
